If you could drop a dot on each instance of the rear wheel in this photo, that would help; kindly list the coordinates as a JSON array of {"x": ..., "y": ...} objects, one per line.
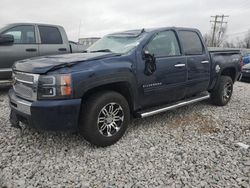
[
  {"x": 104, "y": 118},
  {"x": 223, "y": 91}
]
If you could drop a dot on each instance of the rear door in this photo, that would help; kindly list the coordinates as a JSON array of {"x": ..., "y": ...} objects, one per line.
[
  {"x": 198, "y": 65},
  {"x": 167, "y": 83},
  {"x": 24, "y": 46},
  {"x": 51, "y": 41}
]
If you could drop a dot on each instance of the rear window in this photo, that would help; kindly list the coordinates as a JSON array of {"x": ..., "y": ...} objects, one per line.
[
  {"x": 191, "y": 43},
  {"x": 50, "y": 35}
]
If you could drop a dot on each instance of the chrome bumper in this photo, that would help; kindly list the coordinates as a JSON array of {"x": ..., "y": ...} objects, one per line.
[
  {"x": 5, "y": 74},
  {"x": 6, "y": 82},
  {"x": 20, "y": 104},
  {"x": 60, "y": 114}
]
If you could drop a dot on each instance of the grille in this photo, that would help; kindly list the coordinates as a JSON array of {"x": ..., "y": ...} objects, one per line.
[
  {"x": 24, "y": 77},
  {"x": 25, "y": 85},
  {"x": 23, "y": 91}
]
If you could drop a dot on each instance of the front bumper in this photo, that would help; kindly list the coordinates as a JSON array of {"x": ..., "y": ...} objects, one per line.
[
  {"x": 52, "y": 115},
  {"x": 6, "y": 73},
  {"x": 246, "y": 74}
]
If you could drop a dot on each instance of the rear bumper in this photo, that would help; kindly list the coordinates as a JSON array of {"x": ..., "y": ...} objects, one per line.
[{"x": 51, "y": 115}]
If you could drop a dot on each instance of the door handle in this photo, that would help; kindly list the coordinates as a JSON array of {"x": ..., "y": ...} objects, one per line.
[
  {"x": 180, "y": 65},
  {"x": 31, "y": 50},
  {"x": 62, "y": 49},
  {"x": 204, "y": 62}
]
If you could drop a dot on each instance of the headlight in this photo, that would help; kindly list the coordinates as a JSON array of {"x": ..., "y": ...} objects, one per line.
[{"x": 55, "y": 87}]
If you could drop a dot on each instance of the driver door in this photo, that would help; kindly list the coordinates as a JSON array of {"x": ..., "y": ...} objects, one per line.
[{"x": 167, "y": 83}]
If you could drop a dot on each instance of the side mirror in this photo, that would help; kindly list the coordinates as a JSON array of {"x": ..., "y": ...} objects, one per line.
[
  {"x": 6, "y": 39},
  {"x": 150, "y": 63}
]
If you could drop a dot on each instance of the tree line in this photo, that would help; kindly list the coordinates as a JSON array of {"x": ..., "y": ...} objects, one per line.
[{"x": 221, "y": 39}]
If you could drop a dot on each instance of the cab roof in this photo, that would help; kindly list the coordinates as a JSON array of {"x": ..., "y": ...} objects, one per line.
[{"x": 137, "y": 32}]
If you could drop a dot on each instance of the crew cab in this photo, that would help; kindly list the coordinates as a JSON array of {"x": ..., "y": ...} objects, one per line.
[
  {"x": 131, "y": 74},
  {"x": 25, "y": 40}
]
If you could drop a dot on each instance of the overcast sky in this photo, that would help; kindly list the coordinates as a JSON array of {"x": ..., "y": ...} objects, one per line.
[{"x": 104, "y": 16}]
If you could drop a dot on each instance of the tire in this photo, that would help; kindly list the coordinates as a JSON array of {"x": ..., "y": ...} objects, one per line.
[
  {"x": 222, "y": 94},
  {"x": 97, "y": 125}
]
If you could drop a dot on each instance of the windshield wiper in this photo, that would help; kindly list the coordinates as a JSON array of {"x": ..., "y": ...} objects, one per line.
[{"x": 102, "y": 50}]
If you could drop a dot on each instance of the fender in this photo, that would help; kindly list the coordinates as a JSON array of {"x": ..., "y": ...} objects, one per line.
[
  {"x": 218, "y": 75},
  {"x": 222, "y": 61},
  {"x": 100, "y": 81}
]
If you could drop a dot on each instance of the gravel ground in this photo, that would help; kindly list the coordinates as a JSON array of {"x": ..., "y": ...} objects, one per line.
[{"x": 193, "y": 146}]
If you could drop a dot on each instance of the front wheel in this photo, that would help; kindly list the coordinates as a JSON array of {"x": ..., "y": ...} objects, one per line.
[
  {"x": 223, "y": 91},
  {"x": 104, "y": 118}
]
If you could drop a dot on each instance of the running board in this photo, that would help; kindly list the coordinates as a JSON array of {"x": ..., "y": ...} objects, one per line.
[{"x": 144, "y": 114}]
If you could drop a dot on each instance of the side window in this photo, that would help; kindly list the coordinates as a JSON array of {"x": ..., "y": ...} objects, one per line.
[
  {"x": 164, "y": 44},
  {"x": 22, "y": 34},
  {"x": 50, "y": 35},
  {"x": 191, "y": 43}
]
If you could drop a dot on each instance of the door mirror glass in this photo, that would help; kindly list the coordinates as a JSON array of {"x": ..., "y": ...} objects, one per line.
[
  {"x": 147, "y": 56},
  {"x": 6, "y": 39}
]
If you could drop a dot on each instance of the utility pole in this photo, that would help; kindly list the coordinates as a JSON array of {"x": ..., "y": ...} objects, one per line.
[
  {"x": 221, "y": 26},
  {"x": 79, "y": 31},
  {"x": 218, "y": 19},
  {"x": 215, "y": 22}
]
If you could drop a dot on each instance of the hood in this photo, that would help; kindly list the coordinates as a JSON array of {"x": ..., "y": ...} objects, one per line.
[
  {"x": 42, "y": 65},
  {"x": 247, "y": 66}
]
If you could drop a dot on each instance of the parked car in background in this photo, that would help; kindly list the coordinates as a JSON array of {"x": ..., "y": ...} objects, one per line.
[
  {"x": 25, "y": 40},
  {"x": 87, "y": 42},
  {"x": 76, "y": 47},
  {"x": 246, "y": 56},
  {"x": 246, "y": 72},
  {"x": 136, "y": 73}
]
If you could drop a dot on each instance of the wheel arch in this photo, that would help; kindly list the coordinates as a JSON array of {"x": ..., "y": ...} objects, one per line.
[
  {"x": 229, "y": 71},
  {"x": 122, "y": 87}
]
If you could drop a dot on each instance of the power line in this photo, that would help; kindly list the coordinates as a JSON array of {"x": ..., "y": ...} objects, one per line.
[
  {"x": 239, "y": 33},
  {"x": 243, "y": 6}
]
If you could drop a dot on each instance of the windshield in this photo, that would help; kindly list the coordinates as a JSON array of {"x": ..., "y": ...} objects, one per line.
[{"x": 116, "y": 44}]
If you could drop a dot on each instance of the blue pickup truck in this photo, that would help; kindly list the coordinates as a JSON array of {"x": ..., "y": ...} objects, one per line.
[{"x": 131, "y": 74}]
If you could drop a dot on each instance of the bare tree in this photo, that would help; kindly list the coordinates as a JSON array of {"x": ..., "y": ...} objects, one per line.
[
  {"x": 219, "y": 38},
  {"x": 208, "y": 39},
  {"x": 228, "y": 44},
  {"x": 239, "y": 43},
  {"x": 246, "y": 40}
]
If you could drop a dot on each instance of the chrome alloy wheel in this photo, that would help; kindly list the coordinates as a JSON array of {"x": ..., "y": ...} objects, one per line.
[
  {"x": 110, "y": 119},
  {"x": 228, "y": 89}
]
